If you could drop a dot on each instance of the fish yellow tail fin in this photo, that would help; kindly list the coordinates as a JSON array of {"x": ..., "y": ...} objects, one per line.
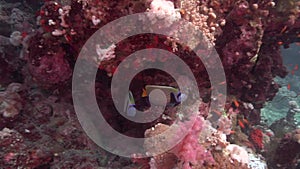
[{"x": 144, "y": 94}]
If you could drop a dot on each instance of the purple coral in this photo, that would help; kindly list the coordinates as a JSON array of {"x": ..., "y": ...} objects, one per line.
[{"x": 51, "y": 69}]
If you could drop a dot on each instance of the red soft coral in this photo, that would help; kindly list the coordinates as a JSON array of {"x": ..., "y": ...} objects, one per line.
[{"x": 256, "y": 136}]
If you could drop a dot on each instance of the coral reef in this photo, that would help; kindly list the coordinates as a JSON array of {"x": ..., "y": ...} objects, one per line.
[
  {"x": 256, "y": 136},
  {"x": 287, "y": 151},
  {"x": 38, "y": 124},
  {"x": 10, "y": 101}
]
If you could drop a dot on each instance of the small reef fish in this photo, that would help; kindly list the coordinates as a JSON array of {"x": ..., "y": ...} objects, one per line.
[
  {"x": 296, "y": 67},
  {"x": 236, "y": 103},
  {"x": 289, "y": 86},
  {"x": 283, "y": 29},
  {"x": 246, "y": 121},
  {"x": 241, "y": 124}
]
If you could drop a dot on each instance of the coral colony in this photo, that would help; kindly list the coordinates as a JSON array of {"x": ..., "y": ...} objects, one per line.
[{"x": 40, "y": 41}]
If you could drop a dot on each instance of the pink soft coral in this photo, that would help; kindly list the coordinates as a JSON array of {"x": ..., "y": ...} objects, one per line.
[{"x": 190, "y": 151}]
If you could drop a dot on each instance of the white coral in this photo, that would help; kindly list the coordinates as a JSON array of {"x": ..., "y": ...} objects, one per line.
[
  {"x": 105, "y": 54},
  {"x": 6, "y": 132},
  {"x": 256, "y": 162},
  {"x": 10, "y": 101},
  {"x": 163, "y": 9},
  {"x": 238, "y": 153}
]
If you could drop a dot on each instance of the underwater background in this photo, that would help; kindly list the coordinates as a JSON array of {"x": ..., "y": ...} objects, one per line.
[
  {"x": 273, "y": 110},
  {"x": 236, "y": 106}
]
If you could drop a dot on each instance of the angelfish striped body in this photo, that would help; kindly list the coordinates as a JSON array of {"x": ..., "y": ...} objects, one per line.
[{"x": 174, "y": 97}]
